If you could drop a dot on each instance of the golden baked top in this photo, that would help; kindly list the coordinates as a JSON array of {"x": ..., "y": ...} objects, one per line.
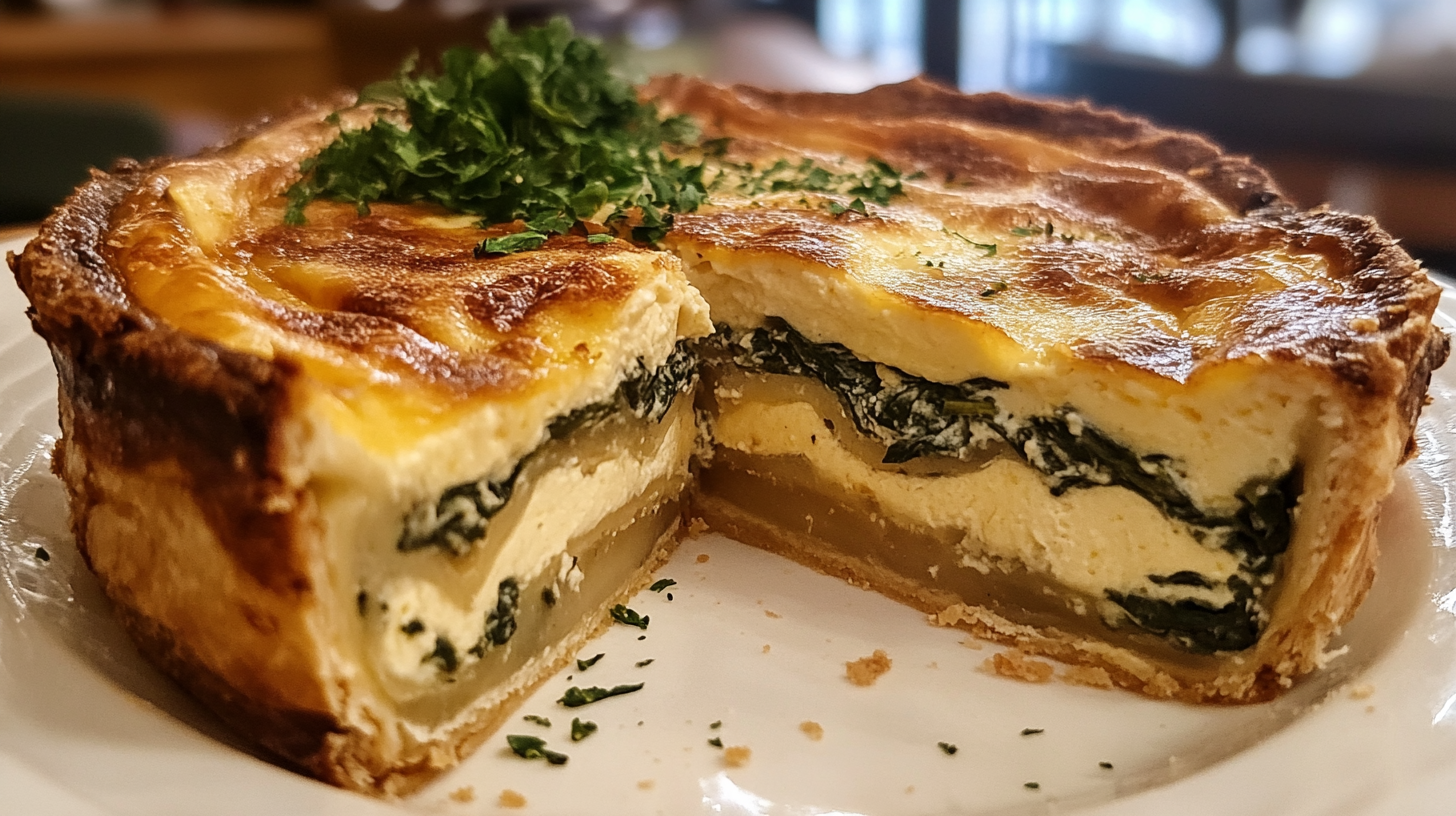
[
  {"x": 391, "y": 314},
  {"x": 1030, "y": 236},
  {"x": 1040, "y": 230}
]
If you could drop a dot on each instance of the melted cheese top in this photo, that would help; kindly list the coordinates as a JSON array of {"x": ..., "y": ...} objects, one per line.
[{"x": 399, "y": 327}]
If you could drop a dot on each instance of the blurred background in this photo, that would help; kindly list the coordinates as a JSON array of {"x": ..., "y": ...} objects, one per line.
[{"x": 1351, "y": 102}]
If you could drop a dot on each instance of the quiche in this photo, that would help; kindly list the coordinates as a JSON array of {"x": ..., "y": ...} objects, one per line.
[{"x": 361, "y": 474}]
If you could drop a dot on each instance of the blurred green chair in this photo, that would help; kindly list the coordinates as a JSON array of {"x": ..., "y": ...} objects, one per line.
[{"x": 48, "y": 144}]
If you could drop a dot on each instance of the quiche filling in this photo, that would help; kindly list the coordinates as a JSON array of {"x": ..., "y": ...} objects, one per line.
[
  {"x": 491, "y": 574},
  {"x": 1000, "y": 488}
]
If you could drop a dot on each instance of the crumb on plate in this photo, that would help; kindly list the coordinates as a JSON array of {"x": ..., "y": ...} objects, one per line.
[
  {"x": 812, "y": 730},
  {"x": 1361, "y": 691},
  {"x": 511, "y": 799},
  {"x": 702, "y": 558},
  {"x": 465, "y": 794},
  {"x": 866, "y": 670},
  {"x": 736, "y": 756}
]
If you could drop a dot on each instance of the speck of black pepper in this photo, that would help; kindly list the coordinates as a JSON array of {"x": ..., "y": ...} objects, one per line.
[
  {"x": 948, "y": 748},
  {"x": 548, "y": 596},
  {"x": 413, "y": 628},
  {"x": 40, "y": 552},
  {"x": 641, "y": 637},
  {"x": 828, "y": 424},
  {"x": 1105, "y": 765},
  {"x": 1032, "y": 786},
  {"x": 639, "y": 722},
  {"x": 362, "y": 600},
  {"x": 669, "y": 596},
  {"x": 1026, "y": 732}
]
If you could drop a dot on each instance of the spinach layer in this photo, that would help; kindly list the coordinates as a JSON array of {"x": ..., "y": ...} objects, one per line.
[
  {"x": 461, "y": 514},
  {"x": 916, "y": 417}
]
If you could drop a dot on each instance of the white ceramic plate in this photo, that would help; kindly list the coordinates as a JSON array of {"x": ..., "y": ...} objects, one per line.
[{"x": 758, "y": 643}]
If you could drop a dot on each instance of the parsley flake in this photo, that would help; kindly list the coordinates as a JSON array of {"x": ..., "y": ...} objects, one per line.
[
  {"x": 575, "y": 696},
  {"x": 621, "y": 614},
  {"x": 647, "y": 662},
  {"x": 948, "y": 748},
  {"x": 716, "y": 742},
  {"x": 528, "y": 747},
  {"x": 583, "y": 665},
  {"x": 537, "y": 719},
  {"x": 600, "y": 238},
  {"x": 507, "y": 244},
  {"x": 661, "y": 584},
  {"x": 1106, "y": 766},
  {"x": 581, "y": 729},
  {"x": 1026, "y": 732},
  {"x": 1032, "y": 786},
  {"x": 998, "y": 286},
  {"x": 715, "y": 724},
  {"x": 989, "y": 249}
]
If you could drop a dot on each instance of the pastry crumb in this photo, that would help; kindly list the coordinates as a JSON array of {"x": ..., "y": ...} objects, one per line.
[
  {"x": 973, "y": 644},
  {"x": 909, "y": 788},
  {"x": 1370, "y": 709},
  {"x": 697, "y": 527},
  {"x": 511, "y": 799},
  {"x": 465, "y": 794},
  {"x": 646, "y": 784},
  {"x": 866, "y": 670},
  {"x": 702, "y": 558},
  {"x": 812, "y": 730},
  {"x": 736, "y": 756},
  {"x": 1361, "y": 691},
  {"x": 772, "y": 614},
  {"x": 766, "y": 647},
  {"x": 1093, "y": 676},
  {"x": 1014, "y": 663}
]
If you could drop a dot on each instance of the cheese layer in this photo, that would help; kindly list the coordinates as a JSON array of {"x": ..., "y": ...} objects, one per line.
[
  {"x": 1090, "y": 540},
  {"x": 554, "y": 506}
]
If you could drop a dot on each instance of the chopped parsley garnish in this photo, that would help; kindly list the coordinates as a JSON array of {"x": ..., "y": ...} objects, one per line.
[
  {"x": 661, "y": 584},
  {"x": 575, "y": 696},
  {"x": 537, "y": 719},
  {"x": 528, "y": 747},
  {"x": 507, "y": 244},
  {"x": 1106, "y": 766},
  {"x": 40, "y": 552},
  {"x": 716, "y": 742},
  {"x": 539, "y": 129},
  {"x": 989, "y": 249},
  {"x": 948, "y": 748},
  {"x": 857, "y": 205},
  {"x": 1032, "y": 786},
  {"x": 715, "y": 724},
  {"x": 621, "y": 614},
  {"x": 647, "y": 662},
  {"x": 583, "y": 665},
  {"x": 1026, "y": 732},
  {"x": 989, "y": 291},
  {"x": 581, "y": 730}
]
